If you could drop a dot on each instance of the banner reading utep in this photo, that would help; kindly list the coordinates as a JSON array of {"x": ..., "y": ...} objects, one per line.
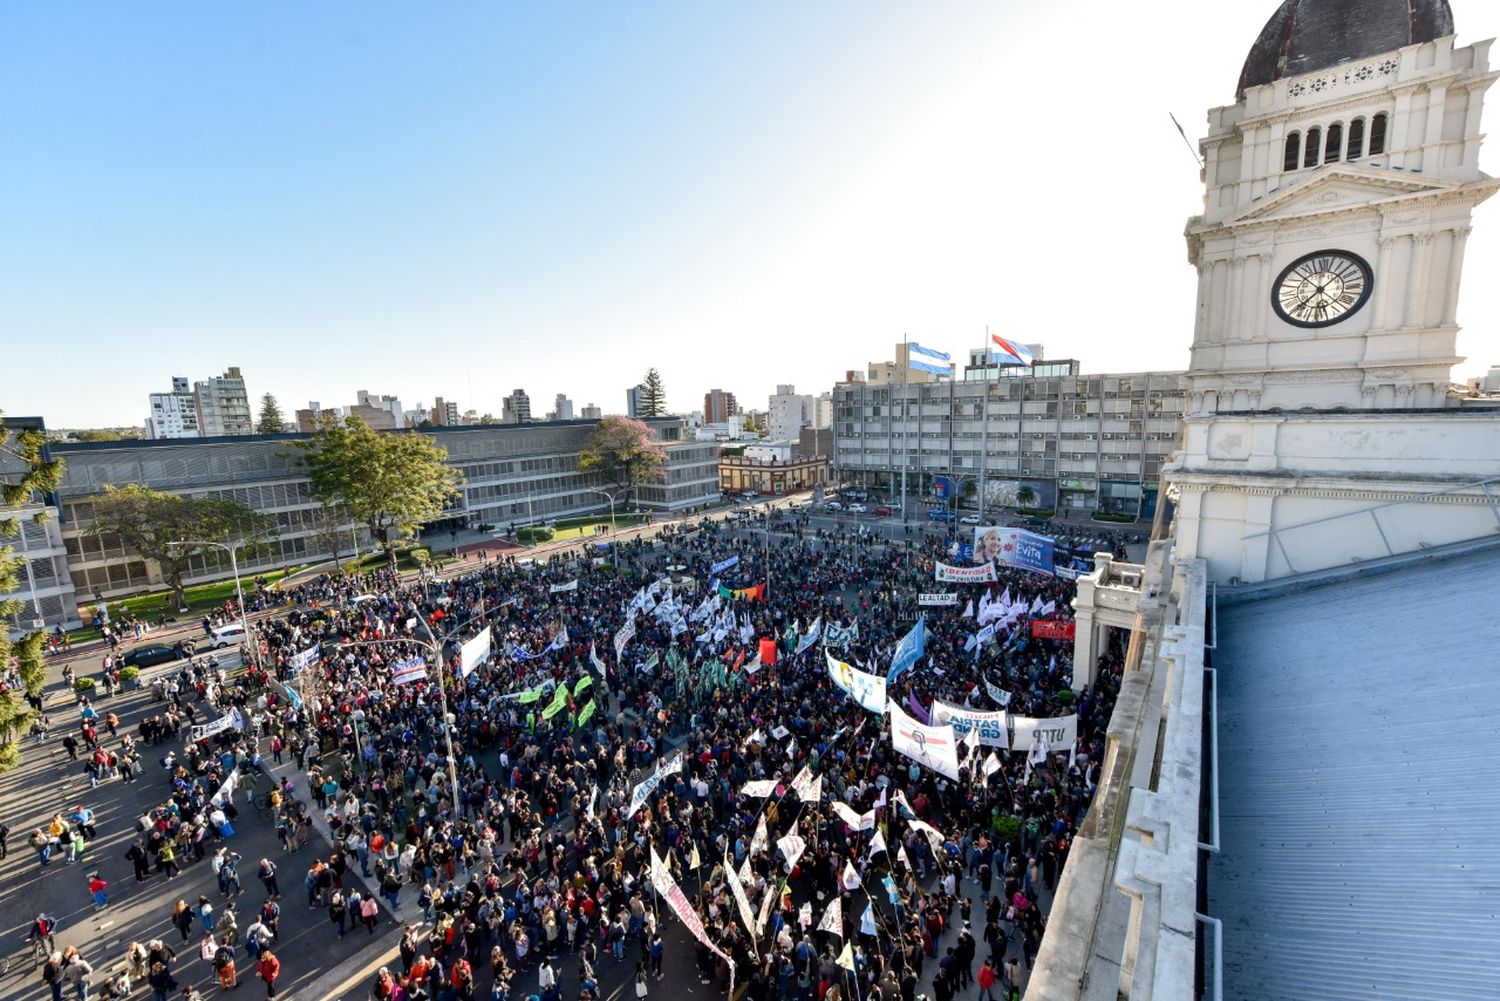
[
  {"x": 939, "y": 599},
  {"x": 1060, "y": 732},
  {"x": 1054, "y": 629},
  {"x": 965, "y": 575}
]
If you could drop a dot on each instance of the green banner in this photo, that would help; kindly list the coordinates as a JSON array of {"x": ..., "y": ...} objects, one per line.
[
  {"x": 583, "y": 682},
  {"x": 557, "y": 705},
  {"x": 588, "y": 712},
  {"x": 531, "y": 696}
]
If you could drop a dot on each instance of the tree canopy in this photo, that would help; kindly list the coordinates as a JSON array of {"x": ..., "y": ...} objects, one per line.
[
  {"x": 170, "y": 530},
  {"x": 271, "y": 420},
  {"x": 624, "y": 451},
  {"x": 392, "y": 482},
  {"x": 24, "y": 471},
  {"x": 653, "y": 401}
]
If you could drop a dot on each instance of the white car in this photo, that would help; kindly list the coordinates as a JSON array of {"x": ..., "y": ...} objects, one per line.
[
  {"x": 970, "y": 519},
  {"x": 227, "y": 635},
  {"x": 835, "y": 506},
  {"x": 857, "y": 509}
]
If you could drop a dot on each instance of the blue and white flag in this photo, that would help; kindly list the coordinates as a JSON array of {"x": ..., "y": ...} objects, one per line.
[
  {"x": 927, "y": 360},
  {"x": 838, "y": 636},
  {"x": 723, "y": 565},
  {"x": 912, "y": 646},
  {"x": 811, "y": 636},
  {"x": 404, "y": 672},
  {"x": 302, "y": 661}
]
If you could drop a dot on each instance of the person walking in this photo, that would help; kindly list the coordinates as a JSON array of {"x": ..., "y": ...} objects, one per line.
[
  {"x": 205, "y": 912},
  {"x": 267, "y": 875},
  {"x": 97, "y": 888},
  {"x": 78, "y": 972},
  {"x": 224, "y": 967},
  {"x": 369, "y": 912},
  {"x": 268, "y": 968},
  {"x": 52, "y": 974},
  {"x": 182, "y": 919}
]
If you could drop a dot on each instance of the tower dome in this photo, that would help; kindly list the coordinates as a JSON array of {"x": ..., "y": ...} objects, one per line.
[{"x": 1308, "y": 35}]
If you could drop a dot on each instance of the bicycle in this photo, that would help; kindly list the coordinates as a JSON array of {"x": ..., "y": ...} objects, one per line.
[{"x": 39, "y": 948}]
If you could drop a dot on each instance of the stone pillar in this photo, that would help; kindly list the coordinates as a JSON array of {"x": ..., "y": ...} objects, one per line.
[
  {"x": 1459, "y": 238},
  {"x": 1382, "y": 277},
  {"x": 1416, "y": 289},
  {"x": 1085, "y": 653}
]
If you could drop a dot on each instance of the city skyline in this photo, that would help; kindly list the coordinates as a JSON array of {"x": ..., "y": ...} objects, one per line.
[{"x": 557, "y": 199}]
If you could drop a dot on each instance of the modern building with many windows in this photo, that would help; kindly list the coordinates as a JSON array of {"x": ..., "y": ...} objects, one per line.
[
  {"x": 1057, "y": 440},
  {"x": 513, "y": 474},
  {"x": 44, "y": 587}
]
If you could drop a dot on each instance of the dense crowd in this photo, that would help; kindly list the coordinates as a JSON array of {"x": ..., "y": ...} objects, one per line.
[{"x": 523, "y": 856}]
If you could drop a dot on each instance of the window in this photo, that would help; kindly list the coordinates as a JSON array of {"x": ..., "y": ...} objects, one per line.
[
  {"x": 1293, "y": 151},
  {"x": 1314, "y": 147},
  {"x": 1334, "y": 147},
  {"x": 1377, "y": 134},
  {"x": 1356, "y": 139}
]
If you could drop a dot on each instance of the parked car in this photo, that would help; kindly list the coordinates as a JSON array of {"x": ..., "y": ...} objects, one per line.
[
  {"x": 969, "y": 519},
  {"x": 835, "y": 506},
  {"x": 150, "y": 656},
  {"x": 939, "y": 514},
  {"x": 230, "y": 634},
  {"x": 884, "y": 510},
  {"x": 856, "y": 509}
]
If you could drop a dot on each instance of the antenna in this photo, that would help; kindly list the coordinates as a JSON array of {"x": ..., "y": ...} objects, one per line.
[{"x": 1186, "y": 140}]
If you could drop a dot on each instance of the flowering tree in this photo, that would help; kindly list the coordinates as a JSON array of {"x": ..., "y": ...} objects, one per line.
[{"x": 624, "y": 451}]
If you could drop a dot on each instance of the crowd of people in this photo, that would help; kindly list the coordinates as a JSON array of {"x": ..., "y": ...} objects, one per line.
[{"x": 523, "y": 853}]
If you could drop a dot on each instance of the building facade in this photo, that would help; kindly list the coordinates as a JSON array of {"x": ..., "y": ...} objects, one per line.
[
  {"x": 516, "y": 408},
  {"x": 590, "y": 412},
  {"x": 512, "y": 474},
  {"x": 1079, "y": 442},
  {"x": 562, "y": 408},
  {"x": 718, "y": 406},
  {"x": 772, "y": 477},
  {"x": 634, "y": 396},
  {"x": 223, "y": 405},
  {"x": 45, "y": 586},
  {"x": 788, "y": 412},
  {"x": 174, "y": 414}
]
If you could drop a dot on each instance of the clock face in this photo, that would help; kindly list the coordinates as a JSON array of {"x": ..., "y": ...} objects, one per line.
[{"x": 1322, "y": 288}]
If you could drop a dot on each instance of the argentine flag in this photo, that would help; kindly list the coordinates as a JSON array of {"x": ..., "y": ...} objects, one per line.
[
  {"x": 927, "y": 360},
  {"x": 1006, "y": 352}
]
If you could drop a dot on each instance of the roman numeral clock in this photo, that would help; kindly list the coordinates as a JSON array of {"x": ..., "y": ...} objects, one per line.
[{"x": 1322, "y": 288}]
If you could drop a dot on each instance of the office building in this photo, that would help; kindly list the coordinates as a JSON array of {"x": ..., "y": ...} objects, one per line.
[
  {"x": 591, "y": 413},
  {"x": 444, "y": 413},
  {"x": 562, "y": 409},
  {"x": 1079, "y": 442},
  {"x": 174, "y": 414},
  {"x": 516, "y": 408},
  {"x": 634, "y": 398},
  {"x": 512, "y": 474},
  {"x": 366, "y": 403},
  {"x": 823, "y": 411},
  {"x": 718, "y": 406},
  {"x": 223, "y": 405}
]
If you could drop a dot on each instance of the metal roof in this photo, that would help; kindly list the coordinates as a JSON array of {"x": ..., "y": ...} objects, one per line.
[{"x": 1359, "y": 739}]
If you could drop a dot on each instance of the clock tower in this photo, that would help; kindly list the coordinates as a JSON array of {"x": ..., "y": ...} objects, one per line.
[{"x": 1339, "y": 189}]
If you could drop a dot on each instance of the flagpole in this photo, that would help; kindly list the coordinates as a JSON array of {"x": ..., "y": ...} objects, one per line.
[
  {"x": 905, "y": 420},
  {"x": 984, "y": 420}
]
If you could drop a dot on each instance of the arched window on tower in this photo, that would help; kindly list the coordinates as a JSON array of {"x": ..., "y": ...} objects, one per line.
[
  {"x": 1314, "y": 147},
  {"x": 1333, "y": 149},
  {"x": 1377, "y": 134},
  {"x": 1293, "y": 151},
  {"x": 1356, "y": 139}
]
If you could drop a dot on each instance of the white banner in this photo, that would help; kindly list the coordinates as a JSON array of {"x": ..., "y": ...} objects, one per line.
[
  {"x": 858, "y": 821},
  {"x": 759, "y": 788},
  {"x": 931, "y": 600},
  {"x": 647, "y": 787},
  {"x": 965, "y": 575},
  {"x": 741, "y": 901},
  {"x": 475, "y": 652},
  {"x": 991, "y": 726},
  {"x": 571, "y": 585},
  {"x": 624, "y": 636},
  {"x": 404, "y": 672},
  {"x": 1060, "y": 732},
  {"x": 207, "y": 730},
  {"x": 934, "y": 747},
  {"x": 866, "y": 689},
  {"x": 1000, "y": 695},
  {"x": 598, "y": 664},
  {"x": 811, "y": 636},
  {"x": 792, "y": 846}
]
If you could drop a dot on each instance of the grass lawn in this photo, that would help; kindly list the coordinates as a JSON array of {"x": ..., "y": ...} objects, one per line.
[{"x": 577, "y": 528}]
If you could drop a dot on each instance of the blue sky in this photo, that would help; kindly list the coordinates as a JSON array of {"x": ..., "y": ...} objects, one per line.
[{"x": 459, "y": 199}]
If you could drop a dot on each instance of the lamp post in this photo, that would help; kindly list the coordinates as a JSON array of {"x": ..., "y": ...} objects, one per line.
[
  {"x": 233, "y": 548},
  {"x": 609, "y": 497}
]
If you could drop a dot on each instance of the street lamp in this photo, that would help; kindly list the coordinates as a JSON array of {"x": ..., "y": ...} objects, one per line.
[
  {"x": 609, "y": 497},
  {"x": 233, "y": 548}
]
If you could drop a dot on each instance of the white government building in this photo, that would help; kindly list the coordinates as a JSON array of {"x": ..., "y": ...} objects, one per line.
[{"x": 1298, "y": 797}]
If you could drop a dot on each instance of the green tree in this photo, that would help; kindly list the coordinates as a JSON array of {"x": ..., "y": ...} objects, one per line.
[
  {"x": 271, "y": 421},
  {"x": 1026, "y": 496},
  {"x": 654, "y": 399},
  {"x": 624, "y": 451},
  {"x": 392, "y": 483},
  {"x": 170, "y": 530},
  {"x": 97, "y": 434},
  {"x": 25, "y": 470}
]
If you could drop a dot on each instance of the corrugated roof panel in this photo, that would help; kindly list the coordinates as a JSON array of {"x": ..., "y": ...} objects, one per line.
[{"x": 1359, "y": 745}]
